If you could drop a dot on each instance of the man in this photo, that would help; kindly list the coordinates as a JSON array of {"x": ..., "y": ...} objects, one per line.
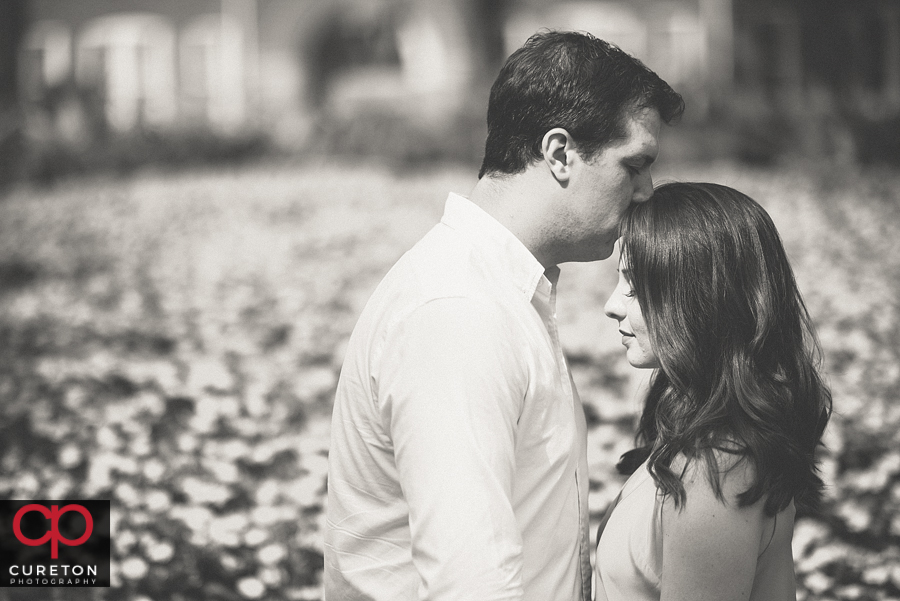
[{"x": 457, "y": 467}]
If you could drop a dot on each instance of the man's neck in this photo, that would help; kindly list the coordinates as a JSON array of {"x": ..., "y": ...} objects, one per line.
[{"x": 519, "y": 203}]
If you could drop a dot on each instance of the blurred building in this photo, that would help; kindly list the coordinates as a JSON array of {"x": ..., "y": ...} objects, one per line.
[
  {"x": 280, "y": 66},
  {"x": 272, "y": 64},
  {"x": 819, "y": 51},
  {"x": 235, "y": 64}
]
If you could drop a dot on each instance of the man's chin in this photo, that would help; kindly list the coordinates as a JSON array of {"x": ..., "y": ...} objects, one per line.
[
  {"x": 589, "y": 253},
  {"x": 590, "y": 257},
  {"x": 599, "y": 252},
  {"x": 606, "y": 252}
]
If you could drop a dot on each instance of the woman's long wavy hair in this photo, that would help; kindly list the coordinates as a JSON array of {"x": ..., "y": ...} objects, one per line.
[{"x": 737, "y": 352}]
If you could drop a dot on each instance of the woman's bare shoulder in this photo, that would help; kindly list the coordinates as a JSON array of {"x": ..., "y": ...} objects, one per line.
[{"x": 733, "y": 471}]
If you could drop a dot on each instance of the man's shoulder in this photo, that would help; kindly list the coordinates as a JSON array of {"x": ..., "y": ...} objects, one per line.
[
  {"x": 440, "y": 265},
  {"x": 439, "y": 275}
]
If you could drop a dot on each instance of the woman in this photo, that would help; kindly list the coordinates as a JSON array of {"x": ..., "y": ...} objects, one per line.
[{"x": 735, "y": 410}]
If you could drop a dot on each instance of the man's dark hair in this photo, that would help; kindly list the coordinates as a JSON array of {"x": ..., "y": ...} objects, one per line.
[{"x": 573, "y": 81}]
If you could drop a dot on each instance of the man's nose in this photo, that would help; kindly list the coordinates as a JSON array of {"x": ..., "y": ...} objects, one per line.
[{"x": 644, "y": 189}]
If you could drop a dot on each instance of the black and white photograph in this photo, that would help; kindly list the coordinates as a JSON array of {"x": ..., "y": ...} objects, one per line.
[{"x": 441, "y": 300}]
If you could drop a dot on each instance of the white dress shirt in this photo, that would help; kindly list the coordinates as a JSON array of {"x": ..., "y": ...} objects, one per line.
[{"x": 457, "y": 466}]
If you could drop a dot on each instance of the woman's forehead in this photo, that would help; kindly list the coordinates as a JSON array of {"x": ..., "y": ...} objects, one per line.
[{"x": 623, "y": 255}]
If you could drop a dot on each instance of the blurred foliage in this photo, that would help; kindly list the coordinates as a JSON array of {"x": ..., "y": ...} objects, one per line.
[
  {"x": 53, "y": 160},
  {"x": 404, "y": 142},
  {"x": 171, "y": 341}
]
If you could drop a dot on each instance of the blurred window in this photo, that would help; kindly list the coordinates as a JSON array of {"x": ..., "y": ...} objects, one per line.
[
  {"x": 679, "y": 52},
  {"x": 769, "y": 52},
  {"x": 868, "y": 37},
  {"x": 46, "y": 58},
  {"x": 129, "y": 58},
  {"x": 212, "y": 71}
]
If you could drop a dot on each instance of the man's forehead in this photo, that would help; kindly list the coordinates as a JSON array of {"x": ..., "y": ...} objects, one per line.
[
  {"x": 647, "y": 115},
  {"x": 641, "y": 133},
  {"x": 644, "y": 127}
]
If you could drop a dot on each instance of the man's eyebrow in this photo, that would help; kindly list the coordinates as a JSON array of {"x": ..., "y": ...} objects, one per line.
[{"x": 643, "y": 158}]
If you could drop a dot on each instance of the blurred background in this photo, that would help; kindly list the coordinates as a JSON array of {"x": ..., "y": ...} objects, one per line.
[
  {"x": 198, "y": 196},
  {"x": 112, "y": 84}
]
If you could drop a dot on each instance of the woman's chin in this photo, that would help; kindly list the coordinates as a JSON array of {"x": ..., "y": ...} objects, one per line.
[{"x": 643, "y": 362}]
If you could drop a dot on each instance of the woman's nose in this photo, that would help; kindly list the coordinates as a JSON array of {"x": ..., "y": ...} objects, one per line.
[{"x": 613, "y": 307}]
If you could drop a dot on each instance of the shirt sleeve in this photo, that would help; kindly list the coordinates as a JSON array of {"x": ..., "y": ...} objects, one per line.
[{"x": 451, "y": 393}]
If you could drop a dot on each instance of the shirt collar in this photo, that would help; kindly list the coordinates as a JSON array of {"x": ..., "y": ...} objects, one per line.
[{"x": 500, "y": 245}]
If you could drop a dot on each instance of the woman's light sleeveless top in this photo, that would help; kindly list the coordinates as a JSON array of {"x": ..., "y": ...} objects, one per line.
[{"x": 628, "y": 566}]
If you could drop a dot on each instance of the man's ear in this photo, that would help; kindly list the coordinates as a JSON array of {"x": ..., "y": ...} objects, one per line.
[{"x": 558, "y": 149}]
